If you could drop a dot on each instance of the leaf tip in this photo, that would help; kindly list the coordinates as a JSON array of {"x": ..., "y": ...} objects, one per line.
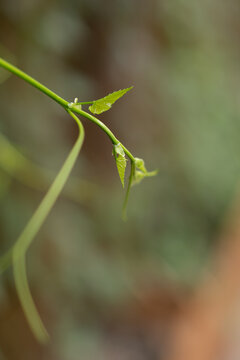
[{"x": 105, "y": 103}]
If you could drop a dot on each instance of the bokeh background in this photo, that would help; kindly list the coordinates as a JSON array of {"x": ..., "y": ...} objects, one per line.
[{"x": 165, "y": 284}]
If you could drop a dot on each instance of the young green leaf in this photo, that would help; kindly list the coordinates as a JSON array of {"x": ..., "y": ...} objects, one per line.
[
  {"x": 141, "y": 172},
  {"x": 140, "y": 164},
  {"x": 106, "y": 103},
  {"x": 121, "y": 161},
  {"x": 139, "y": 176}
]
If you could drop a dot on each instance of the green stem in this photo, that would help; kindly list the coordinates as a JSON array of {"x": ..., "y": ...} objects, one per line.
[
  {"x": 84, "y": 103},
  {"x": 14, "y": 70},
  {"x": 127, "y": 152},
  {"x": 48, "y": 201},
  {"x": 18, "y": 252},
  {"x": 22, "y": 169},
  {"x": 113, "y": 138},
  {"x": 124, "y": 209},
  {"x": 25, "y": 239}
]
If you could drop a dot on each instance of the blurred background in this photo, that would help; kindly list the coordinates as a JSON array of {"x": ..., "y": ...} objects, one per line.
[{"x": 165, "y": 284}]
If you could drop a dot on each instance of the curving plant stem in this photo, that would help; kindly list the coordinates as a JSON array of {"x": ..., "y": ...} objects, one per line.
[
  {"x": 23, "y": 242},
  {"x": 130, "y": 180},
  {"x": 68, "y": 106},
  {"x": 17, "y": 254},
  {"x": 14, "y": 70}
]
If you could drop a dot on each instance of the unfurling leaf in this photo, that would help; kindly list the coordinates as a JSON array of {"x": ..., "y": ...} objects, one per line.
[
  {"x": 140, "y": 164},
  {"x": 141, "y": 172},
  {"x": 106, "y": 103},
  {"x": 121, "y": 161},
  {"x": 139, "y": 176}
]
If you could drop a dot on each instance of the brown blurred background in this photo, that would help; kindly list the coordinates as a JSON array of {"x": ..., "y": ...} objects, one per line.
[{"x": 165, "y": 284}]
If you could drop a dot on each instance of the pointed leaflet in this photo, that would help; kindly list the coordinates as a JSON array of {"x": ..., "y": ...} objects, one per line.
[
  {"x": 106, "y": 103},
  {"x": 121, "y": 161}
]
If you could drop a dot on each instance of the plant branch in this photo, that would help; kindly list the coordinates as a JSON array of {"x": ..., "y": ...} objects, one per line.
[
  {"x": 68, "y": 106},
  {"x": 14, "y": 70},
  {"x": 17, "y": 254}
]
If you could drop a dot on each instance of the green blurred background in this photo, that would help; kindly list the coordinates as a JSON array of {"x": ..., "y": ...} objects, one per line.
[{"x": 107, "y": 289}]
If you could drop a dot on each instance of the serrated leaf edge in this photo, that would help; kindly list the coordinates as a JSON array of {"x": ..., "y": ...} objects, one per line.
[{"x": 107, "y": 103}]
